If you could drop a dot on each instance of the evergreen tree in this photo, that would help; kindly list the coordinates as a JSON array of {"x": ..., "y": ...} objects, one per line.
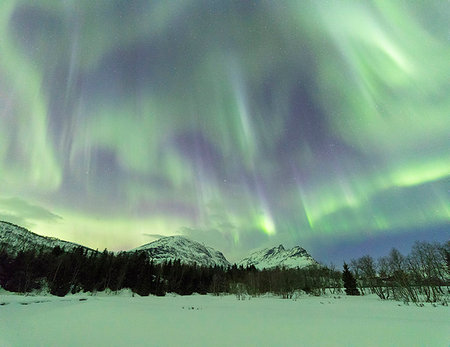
[{"x": 349, "y": 281}]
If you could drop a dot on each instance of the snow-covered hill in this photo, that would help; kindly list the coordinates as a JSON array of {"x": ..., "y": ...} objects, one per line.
[
  {"x": 187, "y": 251},
  {"x": 296, "y": 257},
  {"x": 14, "y": 238}
]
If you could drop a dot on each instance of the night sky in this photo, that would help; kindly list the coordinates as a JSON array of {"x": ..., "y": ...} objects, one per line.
[{"x": 240, "y": 124}]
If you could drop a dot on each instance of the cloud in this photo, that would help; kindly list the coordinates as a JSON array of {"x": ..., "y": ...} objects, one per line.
[
  {"x": 154, "y": 236},
  {"x": 23, "y": 213}
]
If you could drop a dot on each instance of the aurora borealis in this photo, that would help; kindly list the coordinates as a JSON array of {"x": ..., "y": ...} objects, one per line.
[{"x": 242, "y": 124}]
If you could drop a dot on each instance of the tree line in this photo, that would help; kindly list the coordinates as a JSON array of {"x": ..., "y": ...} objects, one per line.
[
  {"x": 422, "y": 275},
  {"x": 80, "y": 270}
]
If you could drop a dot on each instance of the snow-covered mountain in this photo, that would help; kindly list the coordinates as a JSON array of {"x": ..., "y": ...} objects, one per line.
[
  {"x": 296, "y": 257},
  {"x": 187, "y": 251},
  {"x": 14, "y": 238}
]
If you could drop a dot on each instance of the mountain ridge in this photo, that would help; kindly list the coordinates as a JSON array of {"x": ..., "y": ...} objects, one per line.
[
  {"x": 268, "y": 258},
  {"x": 14, "y": 238}
]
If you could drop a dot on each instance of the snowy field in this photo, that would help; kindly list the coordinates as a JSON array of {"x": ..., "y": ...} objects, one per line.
[{"x": 122, "y": 320}]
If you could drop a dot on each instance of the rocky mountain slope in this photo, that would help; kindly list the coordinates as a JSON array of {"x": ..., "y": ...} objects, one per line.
[
  {"x": 188, "y": 251},
  {"x": 296, "y": 257},
  {"x": 14, "y": 238}
]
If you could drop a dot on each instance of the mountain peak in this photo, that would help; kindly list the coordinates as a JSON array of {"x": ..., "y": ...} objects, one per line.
[
  {"x": 181, "y": 248},
  {"x": 296, "y": 257}
]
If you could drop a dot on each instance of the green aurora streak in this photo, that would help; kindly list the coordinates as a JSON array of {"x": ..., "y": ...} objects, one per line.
[{"x": 128, "y": 118}]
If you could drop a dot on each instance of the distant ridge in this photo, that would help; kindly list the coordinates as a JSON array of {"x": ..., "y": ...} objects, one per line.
[{"x": 296, "y": 257}]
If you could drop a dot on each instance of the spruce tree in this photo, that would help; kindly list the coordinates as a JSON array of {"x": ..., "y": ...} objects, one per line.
[{"x": 349, "y": 281}]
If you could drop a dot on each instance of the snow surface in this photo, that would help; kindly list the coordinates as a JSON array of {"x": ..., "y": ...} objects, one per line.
[
  {"x": 296, "y": 257},
  {"x": 123, "y": 320}
]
